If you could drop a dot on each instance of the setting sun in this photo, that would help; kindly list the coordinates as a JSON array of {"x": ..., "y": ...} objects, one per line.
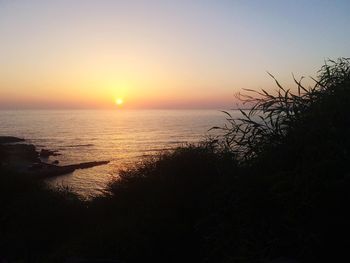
[{"x": 119, "y": 101}]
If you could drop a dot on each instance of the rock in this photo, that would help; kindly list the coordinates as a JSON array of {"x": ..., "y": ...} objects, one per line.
[
  {"x": 24, "y": 159},
  {"x": 10, "y": 139},
  {"x": 50, "y": 170},
  {"x": 18, "y": 153},
  {"x": 47, "y": 153}
]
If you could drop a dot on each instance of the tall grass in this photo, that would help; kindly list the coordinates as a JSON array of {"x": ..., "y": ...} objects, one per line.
[{"x": 272, "y": 116}]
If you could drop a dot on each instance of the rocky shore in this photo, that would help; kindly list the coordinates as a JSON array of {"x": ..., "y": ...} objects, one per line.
[{"x": 20, "y": 157}]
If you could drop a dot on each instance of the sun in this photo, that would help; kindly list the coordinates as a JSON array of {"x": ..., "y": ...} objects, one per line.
[{"x": 119, "y": 101}]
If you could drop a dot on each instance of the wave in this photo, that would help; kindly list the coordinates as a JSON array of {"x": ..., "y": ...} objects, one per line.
[{"x": 79, "y": 145}]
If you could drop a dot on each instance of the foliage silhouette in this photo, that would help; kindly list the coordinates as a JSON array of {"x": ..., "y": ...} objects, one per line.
[{"x": 272, "y": 117}]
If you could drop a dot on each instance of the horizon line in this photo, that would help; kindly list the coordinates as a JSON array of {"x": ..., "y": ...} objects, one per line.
[{"x": 115, "y": 109}]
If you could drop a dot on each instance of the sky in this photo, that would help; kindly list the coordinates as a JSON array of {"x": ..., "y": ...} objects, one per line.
[{"x": 161, "y": 54}]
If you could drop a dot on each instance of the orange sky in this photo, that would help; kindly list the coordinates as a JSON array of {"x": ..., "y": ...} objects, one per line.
[{"x": 159, "y": 54}]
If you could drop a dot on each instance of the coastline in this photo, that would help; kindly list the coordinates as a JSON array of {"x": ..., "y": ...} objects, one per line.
[{"x": 17, "y": 156}]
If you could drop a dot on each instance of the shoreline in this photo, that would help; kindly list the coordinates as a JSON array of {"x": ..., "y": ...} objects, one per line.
[{"x": 20, "y": 157}]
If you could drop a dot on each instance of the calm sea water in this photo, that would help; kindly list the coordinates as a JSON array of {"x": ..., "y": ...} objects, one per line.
[{"x": 123, "y": 137}]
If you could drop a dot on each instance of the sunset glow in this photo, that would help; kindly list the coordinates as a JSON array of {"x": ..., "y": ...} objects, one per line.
[
  {"x": 119, "y": 101},
  {"x": 160, "y": 54}
]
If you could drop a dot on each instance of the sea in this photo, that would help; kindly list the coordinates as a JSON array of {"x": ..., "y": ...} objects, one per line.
[{"x": 123, "y": 137}]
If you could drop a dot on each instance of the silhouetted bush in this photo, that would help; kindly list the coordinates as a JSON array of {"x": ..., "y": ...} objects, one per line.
[
  {"x": 291, "y": 198},
  {"x": 154, "y": 207},
  {"x": 274, "y": 117}
]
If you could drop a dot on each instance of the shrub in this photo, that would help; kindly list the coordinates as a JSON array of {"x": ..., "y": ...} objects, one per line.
[{"x": 273, "y": 117}]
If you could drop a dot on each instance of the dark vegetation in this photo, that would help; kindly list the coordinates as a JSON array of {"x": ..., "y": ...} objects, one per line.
[{"x": 275, "y": 187}]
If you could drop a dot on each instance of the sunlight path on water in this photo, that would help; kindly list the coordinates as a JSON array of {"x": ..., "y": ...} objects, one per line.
[{"x": 122, "y": 136}]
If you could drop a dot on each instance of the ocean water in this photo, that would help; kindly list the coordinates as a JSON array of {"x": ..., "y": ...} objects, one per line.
[{"x": 122, "y": 137}]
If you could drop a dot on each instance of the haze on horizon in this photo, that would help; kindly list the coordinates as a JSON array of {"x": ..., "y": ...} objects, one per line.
[{"x": 160, "y": 54}]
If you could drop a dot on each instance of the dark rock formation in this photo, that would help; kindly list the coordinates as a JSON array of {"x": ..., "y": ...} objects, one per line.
[
  {"x": 24, "y": 159},
  {"x": 10, "y": 139},
  {"x": 47, "y": 153},
  {"x": 49, "y": 170},
  {"x": 18, "y": 156}
]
